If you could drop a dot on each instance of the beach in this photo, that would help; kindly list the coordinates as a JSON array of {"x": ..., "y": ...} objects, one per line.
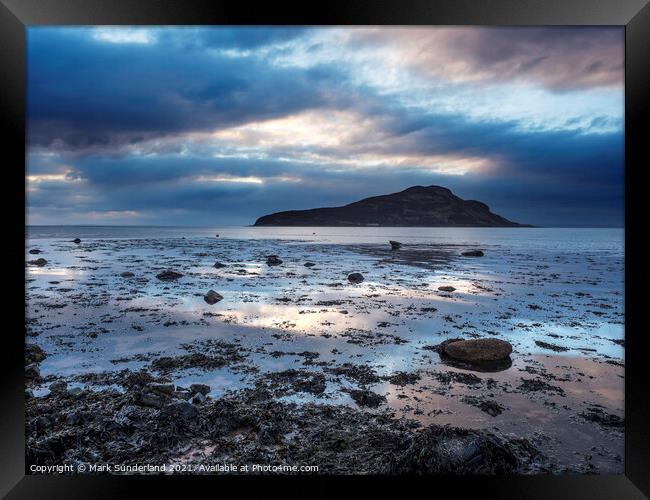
[{"x": 290, "y": 362}]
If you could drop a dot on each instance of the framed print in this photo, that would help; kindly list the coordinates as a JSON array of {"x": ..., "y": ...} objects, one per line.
[{"x": 390, "y": 241}]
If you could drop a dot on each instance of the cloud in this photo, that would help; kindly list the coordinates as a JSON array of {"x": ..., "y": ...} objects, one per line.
[
  {"x": 84, "y": 96},
  {"x": 215, "y": 125},
  {"x": 558, "y": 58}
]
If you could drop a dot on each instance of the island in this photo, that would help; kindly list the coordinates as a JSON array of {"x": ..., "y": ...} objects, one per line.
[{"x": 417, "y": 206}]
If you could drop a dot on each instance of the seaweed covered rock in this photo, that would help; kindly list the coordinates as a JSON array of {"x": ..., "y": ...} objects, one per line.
[{"x": 450, "y": 450}]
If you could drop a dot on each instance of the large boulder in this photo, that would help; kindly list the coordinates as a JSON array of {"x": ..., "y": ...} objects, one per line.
[{"x": 479, "y": 354}]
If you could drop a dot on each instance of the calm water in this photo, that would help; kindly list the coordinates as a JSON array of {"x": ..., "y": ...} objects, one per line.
[{"x": 566, "y": 239}]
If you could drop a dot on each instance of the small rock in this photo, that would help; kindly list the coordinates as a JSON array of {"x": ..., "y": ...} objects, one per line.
[
  {"x": 32, "y": 372},
  {"x": 212, "y": 297},
  {"x": 35, "y": 251},
  {"x": 198, "y": 399},
  {"x": 38, "y": 262},
  {"x": 446, "y": 288},
  {"x": 395, "y": 245},
  {"x": 153, "y": 399},
  {"x": 127, "y": 274},
  {"x": 33, "y": 354},
  {"x": 167, "y": 389},
  {"x": 29, "y": 394},
  {"x": 472, "y": 253},
  {"x": 75, "y": 391},
  {"x": 309, "y": 264},
  {"x": 200, "y": 389},
  {"x": 273, "y": 260},
  {"x": 180, "y": 410},
  {"x": 58, "y": 387},
  {"x": 355, "y": 278},
  {"x": 76, "y": 240},
  {"x": 219, "y": 265},
  {"x": 169, "y": 276}
]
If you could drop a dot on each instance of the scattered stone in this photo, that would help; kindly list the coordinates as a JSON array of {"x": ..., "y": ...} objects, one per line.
[
  {"x": 355, "y": 278},
  {"x": 169, "y": 275},
  {"x": 472, "y": 253},
  {"x": 212, "y": 297},
  {"x": 200, "y": 389},
  {"x": 38, "y": 262},
  {"x": 273, "y": 260}
]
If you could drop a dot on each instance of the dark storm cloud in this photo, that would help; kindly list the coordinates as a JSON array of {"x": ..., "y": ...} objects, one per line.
[
  {"x": 85, "y": 94},
  {"x": 123, "y": 127}
]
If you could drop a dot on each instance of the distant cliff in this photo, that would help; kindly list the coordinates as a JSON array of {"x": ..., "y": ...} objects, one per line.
[{"x": 417, "y": 206}]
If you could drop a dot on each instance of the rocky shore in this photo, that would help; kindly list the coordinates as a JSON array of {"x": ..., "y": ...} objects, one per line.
[{"x": 387, "y": 358}]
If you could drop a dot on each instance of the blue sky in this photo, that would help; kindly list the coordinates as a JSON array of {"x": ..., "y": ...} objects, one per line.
[{"x": 218, "y": 126}]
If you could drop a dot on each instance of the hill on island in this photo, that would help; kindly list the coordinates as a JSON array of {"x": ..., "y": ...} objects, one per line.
[{"x": 417, "y": 206}]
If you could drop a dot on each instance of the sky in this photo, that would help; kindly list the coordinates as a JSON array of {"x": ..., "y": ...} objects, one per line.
[{"x": 217, "y": 126}]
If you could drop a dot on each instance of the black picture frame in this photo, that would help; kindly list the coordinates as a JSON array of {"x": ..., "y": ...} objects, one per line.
[{"x": 16, "y": 15}]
